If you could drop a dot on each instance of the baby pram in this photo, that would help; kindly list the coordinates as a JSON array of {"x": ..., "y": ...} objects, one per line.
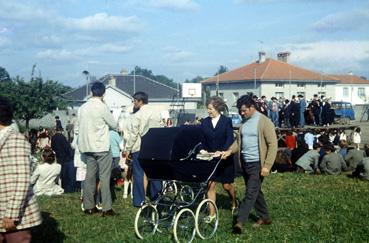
[{"x": 171, "y": 155}]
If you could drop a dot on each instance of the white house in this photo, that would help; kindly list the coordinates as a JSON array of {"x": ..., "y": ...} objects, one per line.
[{"x": 352, "y": 88}]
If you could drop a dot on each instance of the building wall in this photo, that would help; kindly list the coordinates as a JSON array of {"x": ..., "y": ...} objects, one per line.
[
  {"x": 229, "y": 90},
  {"x": 350, "y": 93},
  {"x": 232, "y": 91},
  {"x": 288, "y": 89}
]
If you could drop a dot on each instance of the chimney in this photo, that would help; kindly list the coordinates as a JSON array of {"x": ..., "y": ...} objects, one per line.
[
  {"x": 283, "y": 56},
  {"x": 261, "y": 57},
  {"x": 112, "y": 81}
]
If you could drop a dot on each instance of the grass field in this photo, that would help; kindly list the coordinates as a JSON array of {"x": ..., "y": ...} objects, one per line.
[{"x": 304, "y": 208}]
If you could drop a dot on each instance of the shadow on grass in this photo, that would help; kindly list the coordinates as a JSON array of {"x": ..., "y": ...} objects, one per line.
[{"x": 48, "y": 231}]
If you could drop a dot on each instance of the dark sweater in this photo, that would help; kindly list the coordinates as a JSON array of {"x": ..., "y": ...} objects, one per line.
[{"x": 62, "y": 148}]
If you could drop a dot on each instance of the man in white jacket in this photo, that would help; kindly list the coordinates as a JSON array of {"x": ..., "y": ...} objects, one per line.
[{"x": 94, "y": 120}]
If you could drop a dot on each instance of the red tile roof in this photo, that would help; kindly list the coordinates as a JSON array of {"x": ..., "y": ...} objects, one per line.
[
  {"x": 350, "y": 79},
  {"x": 270, "y": 69}
]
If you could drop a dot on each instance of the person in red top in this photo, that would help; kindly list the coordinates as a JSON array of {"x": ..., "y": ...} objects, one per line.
[{"x": 290, "y": 140}]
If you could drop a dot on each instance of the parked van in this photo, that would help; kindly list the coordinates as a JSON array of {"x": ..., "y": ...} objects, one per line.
[{"x": 343, "y": 109}]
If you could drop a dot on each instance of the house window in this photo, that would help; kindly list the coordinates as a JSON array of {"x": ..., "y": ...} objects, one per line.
[
  {"x": 345, "y": 92},
  {"x": 361, "y": 92},
  {"x": 236, "y": 95},
  {"x": 281, "y": 85},
  {"x": 301, "y": 85},
  {"x": 279, "y": 94}
]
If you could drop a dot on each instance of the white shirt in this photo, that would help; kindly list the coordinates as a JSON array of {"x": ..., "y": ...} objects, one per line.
[
  {"x": 94, "y": 120},
  {"x": 215, "y": 120}
]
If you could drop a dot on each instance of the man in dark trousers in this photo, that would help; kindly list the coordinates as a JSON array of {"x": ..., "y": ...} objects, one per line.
[
  {"x": 64, "y": 156},
  {"x": 257, "y": 148}
]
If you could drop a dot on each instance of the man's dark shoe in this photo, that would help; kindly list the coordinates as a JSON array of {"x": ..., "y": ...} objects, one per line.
[
  {"x": 91, "y": 211},
  {"x": 261, "y": 222},
  {"x": 110, "y": 212},
  {"x": 237, "y": 228}
]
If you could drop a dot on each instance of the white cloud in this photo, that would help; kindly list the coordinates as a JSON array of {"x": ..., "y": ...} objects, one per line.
[
  {"x": 331, "y": 56},
  {"x": 15, "y": 11},
  {"x": 176, "y": 55},
  {"x": 57, "y": 54},
  {"x": 4, "y": 30},
  {"x": 114, "y": 48},
  {"x": 104, "y": 22},
  {"x": 343, "y": 21},
  {"x": 175, "y": 4}
]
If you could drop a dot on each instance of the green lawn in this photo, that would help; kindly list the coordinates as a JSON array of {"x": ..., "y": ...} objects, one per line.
[{"x": 304, "y": 208}]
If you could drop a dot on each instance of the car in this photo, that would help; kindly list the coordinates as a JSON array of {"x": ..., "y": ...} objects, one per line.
[
  {"x": 343, "y": 109},
  {"x": 235, "y": 117}
]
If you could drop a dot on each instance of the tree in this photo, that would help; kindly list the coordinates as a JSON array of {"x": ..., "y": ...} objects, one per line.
[
  {"x": 35, "y": 98},
  {"x": 221, "y": 69},
  {"x": 4, "y": 75},
  {"x": 149, "y": 74},
  {"x": 196, "y": 79}
]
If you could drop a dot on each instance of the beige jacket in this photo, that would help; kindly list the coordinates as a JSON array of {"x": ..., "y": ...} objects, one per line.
[
  {"x": 268, "y": 144},
  {"x": 94, "y": 120},
  {"x": 144, "y": 119}
]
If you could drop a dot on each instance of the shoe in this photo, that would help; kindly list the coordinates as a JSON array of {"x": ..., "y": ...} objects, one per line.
[
  {"x": 210, "y": 218},
  {"x": 125, "y": 196},
  {"x": 261, "y": 222},
  {"x": 99, "y": 206},
  {"x": 110, "y": 212},
  {"x": 91, "y": 211},
  {"x": 237, "y": 228}
]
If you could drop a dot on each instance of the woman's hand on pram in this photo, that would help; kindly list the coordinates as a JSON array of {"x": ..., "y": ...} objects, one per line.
[{"x": 225, "y": 154}]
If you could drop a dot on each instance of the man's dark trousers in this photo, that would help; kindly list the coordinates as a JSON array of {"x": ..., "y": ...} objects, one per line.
[{"x": 254, "y": 196}]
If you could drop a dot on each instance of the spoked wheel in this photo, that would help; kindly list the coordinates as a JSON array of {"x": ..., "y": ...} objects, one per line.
[
  {"x": 184, "y": 226},
  {"x": 206, "y": 224},
  {"x": 146, "y": 221},
  {"x": 186, "y": 194}
]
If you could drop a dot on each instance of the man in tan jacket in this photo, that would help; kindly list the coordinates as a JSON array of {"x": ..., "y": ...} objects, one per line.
[
  {"x": 145, "y": 118},
  {"x": 257, "y": 148}
]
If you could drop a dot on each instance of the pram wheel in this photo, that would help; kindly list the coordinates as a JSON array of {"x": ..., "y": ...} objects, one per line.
[
  {"x": 146, "y": 221},
  {"x": 183, "y": 229},
  {"x": 186, "y": 194},
  {"x": 206, "y": 224}
]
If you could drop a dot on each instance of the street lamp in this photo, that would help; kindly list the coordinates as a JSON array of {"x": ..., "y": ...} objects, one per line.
[
  {"x": 352, "y": 88},
  {"x": 87, "y": 75}
]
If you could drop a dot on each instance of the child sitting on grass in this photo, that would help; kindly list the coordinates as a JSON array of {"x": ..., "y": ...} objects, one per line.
[{"x": 46, "y": 175}]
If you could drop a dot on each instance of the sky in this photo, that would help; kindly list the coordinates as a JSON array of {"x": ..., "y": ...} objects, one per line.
[{"x": 180, "y": 39}]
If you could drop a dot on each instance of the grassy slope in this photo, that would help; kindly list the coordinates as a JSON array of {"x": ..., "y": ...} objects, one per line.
[{"x": 303, "y": 208}]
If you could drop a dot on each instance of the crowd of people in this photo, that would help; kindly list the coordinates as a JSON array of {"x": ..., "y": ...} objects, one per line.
[
  {"x": 297, "y": 111},
  {"x": 98, "y": 151}
]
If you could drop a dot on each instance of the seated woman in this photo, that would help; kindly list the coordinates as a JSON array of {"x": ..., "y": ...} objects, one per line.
[
  {"x": 218, "y": 137},
  {"x": 46, "y": 175}
]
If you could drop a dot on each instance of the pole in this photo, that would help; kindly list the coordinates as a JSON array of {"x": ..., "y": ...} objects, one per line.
[
  {"x": 289, "y": 89},
  {"x": 255, "y": 80},
  {"x": 217, "y": 86},
  {"x": 134, "y": 80}
]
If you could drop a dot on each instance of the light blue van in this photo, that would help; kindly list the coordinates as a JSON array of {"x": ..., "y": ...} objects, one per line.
[{"x": 343, "y": 109}]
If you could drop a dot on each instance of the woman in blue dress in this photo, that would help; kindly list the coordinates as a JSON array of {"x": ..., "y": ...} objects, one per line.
[{"x": 217, "y": 138}]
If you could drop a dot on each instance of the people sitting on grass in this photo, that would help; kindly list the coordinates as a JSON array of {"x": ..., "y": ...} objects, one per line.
[
  {"x": 308, "y": 163},
  {"x": 362, "y": 169},
  {"x": 343, "y": 145},
  {"x": 282, "y": 162},
  {"x": 332, "y": 163},
  {"x": 46, "y": 175},
  {"x": 353, "y": 157}
]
